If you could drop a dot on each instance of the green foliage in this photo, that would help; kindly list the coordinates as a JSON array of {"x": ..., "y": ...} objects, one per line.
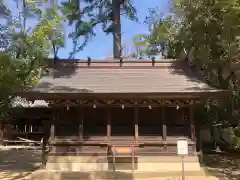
[
  {"x": 210, "y": 32},
  {"x": 4, "y": 11},
  {"x": 11, "y": 79},
  {"x": 90, "y": 14},
  {"x": 207, "y": 32},
  {"x": 51, "y": 28},
  {"x": 140, "y": 42},
  {"x": 24, "y": 50},
  {"x": 235, "y": 137},
  {"x": 161, "y": 38}
]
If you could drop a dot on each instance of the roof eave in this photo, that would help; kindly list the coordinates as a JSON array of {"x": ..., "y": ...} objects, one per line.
[{"x": 31, "y": 95}]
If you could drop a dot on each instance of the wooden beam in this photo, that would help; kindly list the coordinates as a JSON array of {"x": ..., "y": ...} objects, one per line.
[
  {"x": 136, "y": 123},
  {"x": 108, "y": 110},
  {"x": 118, "y": 96},
  {"x": 81, "y": 119}
]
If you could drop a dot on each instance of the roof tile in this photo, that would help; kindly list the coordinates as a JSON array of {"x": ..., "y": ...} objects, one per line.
[{"x": 131, "y": 77}]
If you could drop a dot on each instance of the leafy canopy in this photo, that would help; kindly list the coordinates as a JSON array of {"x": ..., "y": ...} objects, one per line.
[
  {"x": 207, "y": 33},
  {"x": 24, "y": 49}
]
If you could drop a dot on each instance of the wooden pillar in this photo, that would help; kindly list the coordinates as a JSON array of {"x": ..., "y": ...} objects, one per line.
[
  {"x": 108, "y": 123},
  {"x": 44, "y": 142},
  {"x": 52, "y": 127},
  {"x": 136, "y": 123},
  {"x": 192, "y": 128},
  {"x": 192, "y": 125},
  {"x": 164, "y": 129},
  {"x": 80, "y": 126},
  {"x": 182, "y": 113}
]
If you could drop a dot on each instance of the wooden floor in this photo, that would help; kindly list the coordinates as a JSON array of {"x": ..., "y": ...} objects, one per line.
[
  {"x": 116, "y": 140},
  {"x": 130, "y": 138},
  {"x": 147, "y": 145}
]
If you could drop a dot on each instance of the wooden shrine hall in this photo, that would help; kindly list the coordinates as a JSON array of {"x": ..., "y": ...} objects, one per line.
[{"x": 110, "y": 108}]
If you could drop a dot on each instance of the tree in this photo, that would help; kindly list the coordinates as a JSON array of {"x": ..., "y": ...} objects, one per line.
[
  {"x": 51, "y": 25},
  {"x": 23, "y": 49},
  {"x": 210, "y": 30},
  {"x": 141, "y": 44},
  {"x": 104, "y": 12},
  {"x": 128, "y": 51},
  {"x": 208, "y": 34},
  {"x": 162, "y": 34},
  {"x": 212, "y": 38},
  {"x": 26, "y": 50}
]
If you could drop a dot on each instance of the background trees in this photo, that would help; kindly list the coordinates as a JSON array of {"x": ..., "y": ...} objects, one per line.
[
  {"x": 207, "y": 32},
  {"x": 25, "y": 48},
  {"x": 212, "y": 39},
  {"x": 99, "y": 12}
]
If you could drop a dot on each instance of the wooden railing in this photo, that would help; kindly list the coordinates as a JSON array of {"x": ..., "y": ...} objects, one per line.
[{"x": 121, "y": 151}]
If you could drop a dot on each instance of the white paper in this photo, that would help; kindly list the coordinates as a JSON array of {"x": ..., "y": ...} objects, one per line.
[{"x": 182, "y": 147}]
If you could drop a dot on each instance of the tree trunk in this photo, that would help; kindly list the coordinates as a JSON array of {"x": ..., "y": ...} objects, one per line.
[{"x": 116, "y": 30}]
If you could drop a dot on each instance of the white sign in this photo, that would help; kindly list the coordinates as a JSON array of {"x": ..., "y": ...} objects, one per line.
[{"x": 182, "y": 147}]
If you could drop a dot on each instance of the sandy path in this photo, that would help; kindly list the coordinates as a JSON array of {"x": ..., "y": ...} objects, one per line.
[
  {"x": 25, "y": 165},
  {"x": 16, "y": 165}
]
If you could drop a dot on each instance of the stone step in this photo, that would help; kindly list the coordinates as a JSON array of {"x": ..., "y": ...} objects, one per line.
[
  {"x": 150, "y": 167},
  {"x": 104, "y": 159},
  {"x": 101, "y": 163},
  {"x": 60, "y": 175}
]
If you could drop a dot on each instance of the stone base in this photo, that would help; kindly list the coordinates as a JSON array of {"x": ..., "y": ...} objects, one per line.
[
  {"x": 60, "y": 175},
  {"x": 143, "y": 163}
]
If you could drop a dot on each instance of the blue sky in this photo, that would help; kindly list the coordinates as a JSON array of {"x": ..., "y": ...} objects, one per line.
[{"x": 101, "y": 45}]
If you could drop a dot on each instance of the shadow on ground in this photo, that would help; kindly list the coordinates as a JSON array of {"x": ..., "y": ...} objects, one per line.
[
  {"x": 222, "y": 165},
  {"x": 18, "y": 164}
]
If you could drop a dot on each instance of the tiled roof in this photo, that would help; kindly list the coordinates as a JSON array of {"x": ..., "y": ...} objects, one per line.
[
  {"x": 109, "y": 76},
  {"x": 22, "y": 102}
]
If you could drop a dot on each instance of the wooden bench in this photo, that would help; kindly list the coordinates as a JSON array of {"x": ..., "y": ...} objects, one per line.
[
  {"x": 7, "y": 142},
  {"x": 24, "y": 144},
  {"x": 19, "y": 147}
]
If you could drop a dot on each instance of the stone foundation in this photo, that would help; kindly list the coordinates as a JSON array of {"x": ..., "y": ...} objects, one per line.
[
  {"x": 57, "y": 175},
  {"x": 143, "y": 163}
]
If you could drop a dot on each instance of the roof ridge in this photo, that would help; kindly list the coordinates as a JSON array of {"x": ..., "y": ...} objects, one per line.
[{"x": 111, "y": 60}]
